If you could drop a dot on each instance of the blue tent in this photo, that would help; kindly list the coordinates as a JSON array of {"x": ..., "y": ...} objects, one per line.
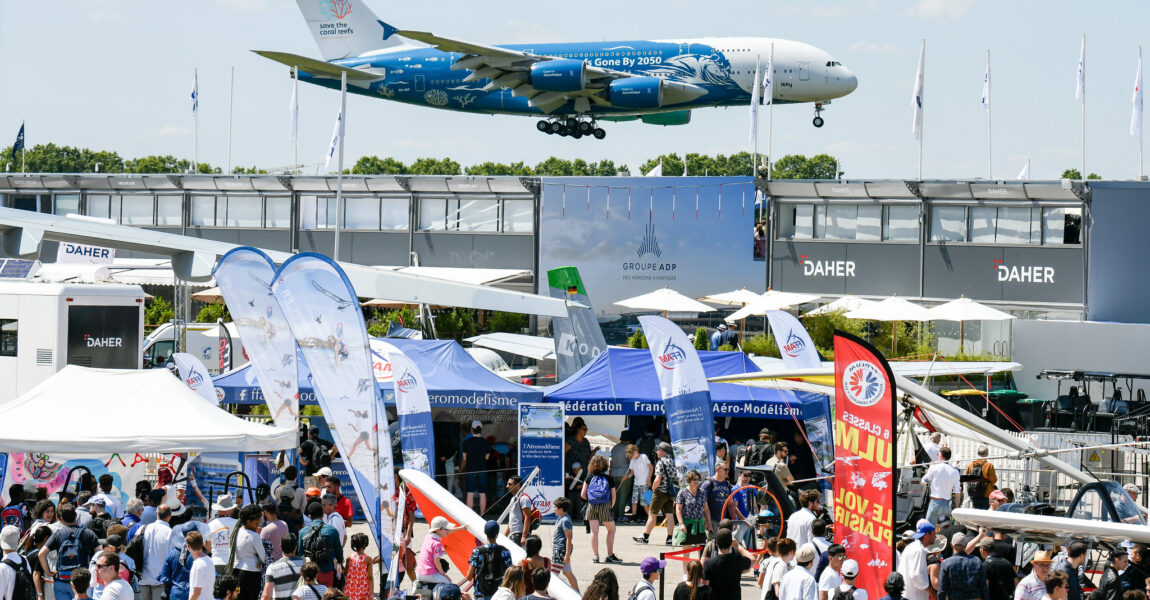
[
  {"x": 454, "y": 380},
  {"x": 621, "y": 381}
]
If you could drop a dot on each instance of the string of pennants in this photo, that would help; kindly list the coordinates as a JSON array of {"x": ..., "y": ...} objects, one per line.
[{"x": 637, "y": 191}]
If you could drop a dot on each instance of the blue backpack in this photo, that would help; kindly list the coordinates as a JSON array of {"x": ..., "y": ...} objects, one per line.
[
  {"x": 598, "y": 490},
  {"x": 70, "y": 555}
]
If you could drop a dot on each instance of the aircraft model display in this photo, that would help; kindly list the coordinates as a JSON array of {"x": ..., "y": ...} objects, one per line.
[{"x": 572, "y": 86}]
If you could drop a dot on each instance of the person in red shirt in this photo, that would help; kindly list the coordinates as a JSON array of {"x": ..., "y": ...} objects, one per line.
[{"x": 342, "y": 503}]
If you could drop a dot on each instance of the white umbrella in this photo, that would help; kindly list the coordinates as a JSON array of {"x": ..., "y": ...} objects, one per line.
[
  {"x": 892, "y": 309},
  {"x": 733, "y": 298},
  {"x": 666, "y": 300},
  {"x": 771, "y": 300},
  {"x": 964, "y": 309},
  {"x": 210, "y": 295},
  {"x": 846, "y": 304}
]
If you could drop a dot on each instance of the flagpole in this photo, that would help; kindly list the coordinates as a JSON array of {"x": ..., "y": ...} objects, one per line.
[
  {"x": 989, "y": 144},
  {"x": 23, "y": 151},
  {"x": 1083, "y": 172},
  {"x": 922, "y": 63},
  {"x": 196, "y": 122},
  {"x": 755, "y": 116},
  {"x": 771, "y": 116},
  {"x": 1139, "y": 119},
  {"x": 339, "y": 172},
  {"x": 231, "y": 101},
  {"x": 295, "y": 116}
]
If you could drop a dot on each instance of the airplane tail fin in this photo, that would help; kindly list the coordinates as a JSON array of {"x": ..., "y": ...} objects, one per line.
[
  {"x": 345, "y": 28},
  {"x": 578, "y": 338}
]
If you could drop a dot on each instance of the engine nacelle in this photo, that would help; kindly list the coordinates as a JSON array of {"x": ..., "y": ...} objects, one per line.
[
  {"x": 559, "y": 76},
  {"x": 636, "y": 92},
  {"x": 678, "y": 117}
]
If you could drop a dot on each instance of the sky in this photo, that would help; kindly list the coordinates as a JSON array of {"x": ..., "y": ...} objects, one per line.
[{"x": 116, "y": 75}]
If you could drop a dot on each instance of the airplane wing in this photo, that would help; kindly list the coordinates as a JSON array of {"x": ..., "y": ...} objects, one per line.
[
  {"x": 319, "y": 67},
  {"x": 1052, "y": 530},
  {"x": 538, "y": 348},
  {"x": 510, "y": 69}
]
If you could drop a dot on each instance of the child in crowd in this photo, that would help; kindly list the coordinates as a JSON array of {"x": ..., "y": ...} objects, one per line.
[
  {"x": 561, "y": 544},
  {"x": 359, "y": 581}
]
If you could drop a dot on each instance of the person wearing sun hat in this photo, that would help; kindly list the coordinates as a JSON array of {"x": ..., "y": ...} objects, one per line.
[
  {"x": 798, "y": 583},
  {"x": 429, "y": 565},
  {"x": 912, "y": 565},
  {"x": 1033, "y": 586}
]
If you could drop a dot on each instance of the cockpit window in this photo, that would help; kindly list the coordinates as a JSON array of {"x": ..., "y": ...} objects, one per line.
[{"x": 834, "y": 63}]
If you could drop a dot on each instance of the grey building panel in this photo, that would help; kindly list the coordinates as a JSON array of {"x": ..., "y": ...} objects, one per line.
[
  {"x": 317, "y": 241},
  {"x": 888, "y": 189},
  {"x": 1003, "y": 273},
  {"x": 836, "y": 189},
  {"x": 373, "y": 248},
  {"x": 1119, "y": 282},
  {"x": 840, "y": 268},
  {"x": 271, "y": 239},
  {"x": 471, "y": 250}
]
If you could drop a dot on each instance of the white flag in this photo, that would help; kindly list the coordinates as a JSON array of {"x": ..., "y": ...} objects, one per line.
[
  {"x": 916, "y": 98},
  {"x": 293, "y": 112},
  {"x": 755, "y": 87},
  {"x": 986, "y": 86},
  {"x": 195, "y": 92},
  {"x": 1136, "y": 114},
  {"x": 334, "y": 140},
  {"x": 657, "y": 171},
  {"x": 1024, "y": 174},
  {"x": 1080, "y": 83}
]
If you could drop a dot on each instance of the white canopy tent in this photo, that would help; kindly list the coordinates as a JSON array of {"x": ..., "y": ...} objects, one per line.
[{"x": 113, "y": 410}]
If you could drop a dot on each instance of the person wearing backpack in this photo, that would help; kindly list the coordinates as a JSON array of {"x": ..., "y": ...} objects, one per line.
[
  {"x": 319, "y": 543},
  {"x": 487, "y": 565},
  {"x": 847, "y": 590},
  {"x": 16, "y": 512},
  {"x": 650, "y": 569},
  {"x": 980, "y": 489},
  {"x": 599, "y": 492},
  {"x": 74, "y": 547},
  {"x": 15, "y": 574}
]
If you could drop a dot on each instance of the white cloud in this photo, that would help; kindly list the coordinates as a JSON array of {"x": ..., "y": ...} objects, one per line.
[
  {"x": 939, "y": 9},
  {"x": 171, "y": 130},
  {"x": 875, "y": 47},
  {"x": 243, "y": 5}
]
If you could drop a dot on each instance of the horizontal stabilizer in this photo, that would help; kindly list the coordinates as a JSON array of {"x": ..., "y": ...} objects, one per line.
[{"x": 318, "y": 67}]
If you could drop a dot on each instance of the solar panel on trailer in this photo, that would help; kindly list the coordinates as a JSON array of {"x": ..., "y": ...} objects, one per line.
[{"x": 15, "y": 268}]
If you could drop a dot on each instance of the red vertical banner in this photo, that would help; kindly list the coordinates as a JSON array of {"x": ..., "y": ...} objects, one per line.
[{"x": 864, "y": 484}]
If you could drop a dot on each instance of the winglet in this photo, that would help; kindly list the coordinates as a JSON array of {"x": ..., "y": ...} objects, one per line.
[{"x": 388, "y": 30}]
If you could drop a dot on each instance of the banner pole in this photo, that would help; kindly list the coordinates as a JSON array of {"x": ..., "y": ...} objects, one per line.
[{"x": 339, "y": 171}]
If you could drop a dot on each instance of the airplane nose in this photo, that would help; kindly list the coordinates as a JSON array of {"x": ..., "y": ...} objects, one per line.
[{"x": 850, "y": 82}]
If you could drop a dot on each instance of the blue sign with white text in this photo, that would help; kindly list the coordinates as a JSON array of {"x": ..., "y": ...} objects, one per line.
[{"x": 541, "y": 445}]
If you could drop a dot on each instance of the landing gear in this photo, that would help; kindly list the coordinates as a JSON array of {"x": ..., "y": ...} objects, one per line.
[
  {"x": 818, "y": 121},
  {"x": 574, "y": 127}
]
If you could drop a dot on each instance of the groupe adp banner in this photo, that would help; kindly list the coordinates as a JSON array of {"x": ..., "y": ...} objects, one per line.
[
  {"x": 324, "y": 315},
  {"x": 245, "y": 276},
  {"x": 415, "y": 430},
  {"x": 686, "y": 397},
  {"x": 541, "y": 445},
  {"x": 193, "y": 373},
  {"x": 864, "y": 485},
  {"x": 798, "y": 352}
]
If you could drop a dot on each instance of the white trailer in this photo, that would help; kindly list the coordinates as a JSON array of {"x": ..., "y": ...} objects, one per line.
[
  {"x": 45, "y": 326},
  {"x": 219, "y": 348}
]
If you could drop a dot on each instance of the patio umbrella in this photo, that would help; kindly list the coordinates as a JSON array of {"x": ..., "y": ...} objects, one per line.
[
  {"x": 210, "y": 295},
  {"x": 891, "y": 309},
  {"x": 771, "y": 300},
  {"x": 964, "y": 309},
  {"x": 741, "y": 297},
  {"x": 666, "y": 300},
  {"x": 846, "y": 303}
]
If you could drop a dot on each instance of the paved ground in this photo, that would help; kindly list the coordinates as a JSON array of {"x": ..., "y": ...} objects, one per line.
[{"x": 629, "y": 551}]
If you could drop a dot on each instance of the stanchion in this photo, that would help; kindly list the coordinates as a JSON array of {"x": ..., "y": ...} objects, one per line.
[{"x": 662, "y": 575}]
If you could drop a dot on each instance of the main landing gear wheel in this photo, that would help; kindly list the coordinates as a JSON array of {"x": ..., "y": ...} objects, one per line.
[
  {"x": 543, "y": 126},
  {"x": 574, "y": 127},
  {"x": 554, "y": 127},
  {"x": 599, "y": 133},
  {"x": 818, "y": 122}
]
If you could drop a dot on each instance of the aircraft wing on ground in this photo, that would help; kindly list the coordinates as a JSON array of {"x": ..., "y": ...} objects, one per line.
[
  {"x": 1052, "y": 530},
  {"x": 531, "y": 346},
  {"x": 510, "y": 69}
]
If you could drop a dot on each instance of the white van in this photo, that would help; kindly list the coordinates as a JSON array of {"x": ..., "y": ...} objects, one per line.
[
  {"x": 45, "y": 326},
  {"x": 219, "y": 348}
]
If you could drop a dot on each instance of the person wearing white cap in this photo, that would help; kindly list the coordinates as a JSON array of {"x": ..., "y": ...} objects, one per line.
[
  {"x": 798, "y": 584},
  {"x": 220, "y": 531},
  {"x": 9, "y": 544},
  {"x": 847, "y": 589},
  {"x": 717, "y": 337},
  {"x": 111, "y": 501},
  {"x": 321, "y": 476}
]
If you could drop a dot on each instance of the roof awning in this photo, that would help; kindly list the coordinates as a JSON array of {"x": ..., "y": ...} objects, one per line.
[{"x": 531, "y": 346}]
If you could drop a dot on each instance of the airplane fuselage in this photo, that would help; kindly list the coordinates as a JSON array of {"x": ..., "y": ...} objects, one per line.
[{"x": 723, "y": 67}]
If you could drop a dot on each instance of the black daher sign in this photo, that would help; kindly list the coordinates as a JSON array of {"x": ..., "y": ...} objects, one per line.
[{"x": 106, "y": 337}]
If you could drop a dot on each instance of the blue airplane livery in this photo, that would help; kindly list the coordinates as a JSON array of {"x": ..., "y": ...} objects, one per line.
[{"x": 570, "y": 86}]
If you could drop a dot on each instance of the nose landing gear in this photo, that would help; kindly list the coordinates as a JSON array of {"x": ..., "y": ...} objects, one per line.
[
  {"x": 818, "y": 121},
  {"x": 574, "y": 127}
]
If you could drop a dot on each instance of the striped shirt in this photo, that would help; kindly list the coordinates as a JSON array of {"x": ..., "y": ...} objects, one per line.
[{"x": 283, "y": 574}]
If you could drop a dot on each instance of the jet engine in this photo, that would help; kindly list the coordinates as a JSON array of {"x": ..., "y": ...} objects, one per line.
[
  {"x": 559, "y": 75},
  {"x": 636, "y": 92}
]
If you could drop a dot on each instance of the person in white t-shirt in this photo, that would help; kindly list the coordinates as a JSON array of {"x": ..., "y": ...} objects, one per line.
[
  {"x": 220, "y": 531},
  {"x": 798, "y": 584},
  {"x": 108, "y": 573},
  {"x": 777, "y": 566},
  {"x": 639, "y": 468},
  {"x": 799, "y": 525},
  {"x": 850, "y": 570},
  {"x": 932, "y": 446},
  {"x": 333, "y": 518},
  {"x": 202, "y": 579},
  {"x": 830, "y": 580},
  {"x": 943, "y": 479}
]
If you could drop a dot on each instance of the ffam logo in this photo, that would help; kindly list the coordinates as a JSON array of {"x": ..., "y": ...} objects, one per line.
[
  {"x": 103, "y": 342},
  {"x": 1023, "y": 274},
  {"x": 863, "y": 383},
  {"x": 672, "y": 356},
  {"x": 195, "y": 380},
  {"x": 406, "y": 382},
  {"x": 826, "y": 268},
  {"x": 794, "y": 346}
]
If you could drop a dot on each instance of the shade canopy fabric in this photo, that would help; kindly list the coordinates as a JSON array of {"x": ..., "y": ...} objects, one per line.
[
  {"x": 732, "y": 298},
  {"x": 105, "y": 411},
  {"x": 892, "y": 309},
  {"x": 454, "y": 379},
  {"x": 531, "y": 346},
  {"x": 666, "y": 300},
  {"x": 771, "y": 300},
  {"x": 622, "y": 381},
  {"x": 846, "y": 304},
  {"x": 965, "y": 309}
]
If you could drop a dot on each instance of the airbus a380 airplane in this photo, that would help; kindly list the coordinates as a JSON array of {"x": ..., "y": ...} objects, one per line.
[{"x": 571, "y": 85}]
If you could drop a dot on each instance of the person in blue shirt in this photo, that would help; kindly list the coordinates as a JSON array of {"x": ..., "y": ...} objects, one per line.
[
  {"x": 327, "y": 564},
  {"x": 716, "y": 338},
  {"x": 477, "y": 562},
  {"x": 177, "y": 570}
]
